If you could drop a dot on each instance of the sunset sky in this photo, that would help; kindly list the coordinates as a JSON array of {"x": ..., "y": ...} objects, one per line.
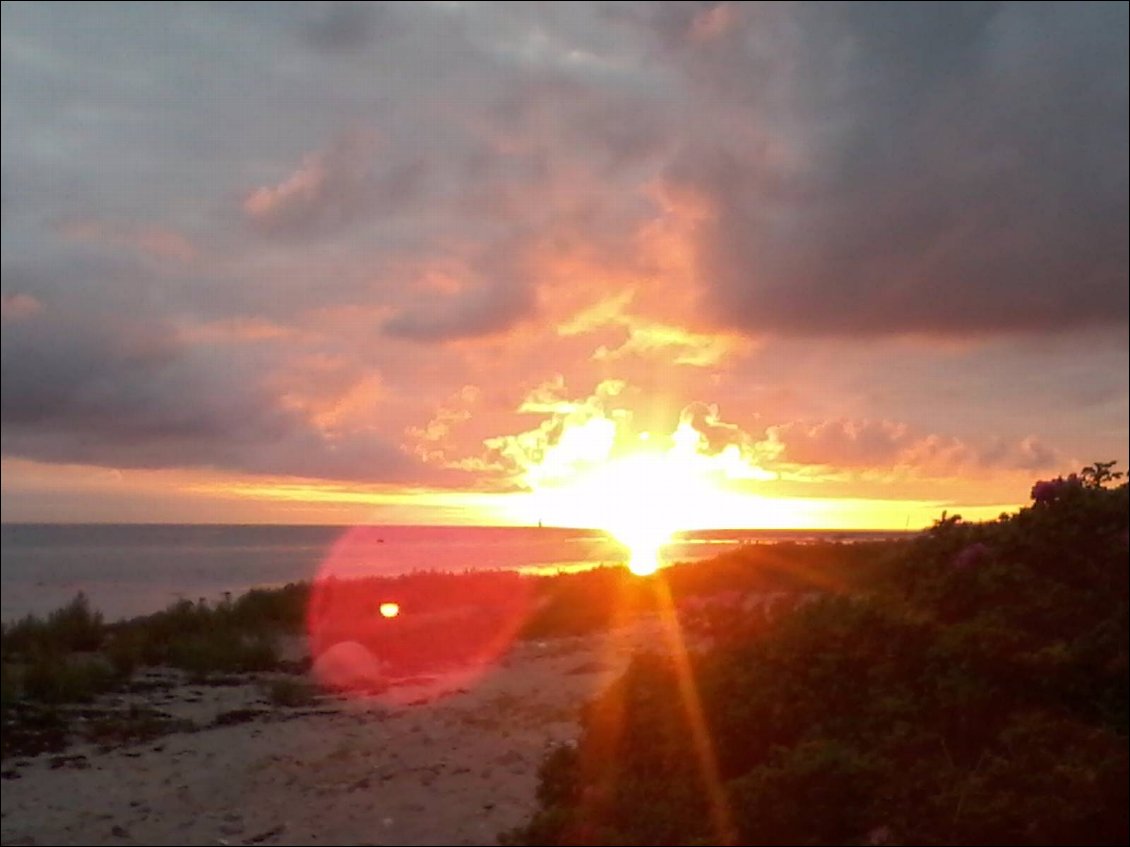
[{"x": 842, "y": 265}]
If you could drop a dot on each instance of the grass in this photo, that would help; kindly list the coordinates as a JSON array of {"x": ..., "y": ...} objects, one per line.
[{"x": 72, "y": 655}]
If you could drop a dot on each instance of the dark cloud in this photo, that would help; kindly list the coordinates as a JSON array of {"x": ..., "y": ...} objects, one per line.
[
  {"x": 849, "y": 170},
  {"x": 87, "y": 379},
  {"x": 495, "y": 290},
  {"x": 936, "y": 169},
  {"x": 344, "y": 26},
  {"x": 482, "y": 311},
  {"x": 119, "y": 382},
  {"x": 333, "y": 188}
]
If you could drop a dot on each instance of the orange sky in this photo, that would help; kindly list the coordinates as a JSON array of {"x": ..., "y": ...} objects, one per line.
[{"x": 728, "y": 266}]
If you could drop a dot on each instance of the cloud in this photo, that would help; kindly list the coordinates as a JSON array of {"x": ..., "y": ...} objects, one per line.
[
  {"x": 912, "y": 170},
  {"x": 87, "y": 383},
  {"x": 286, "y": 257},
  {"x": 333, "y": 188},
  {"x": 716, "y": 434},
  {"x": 867, "y": 444},
  {"x": 647, "y": 338},
  {"x": 150, "y": 404},
  {"x": 573, "y": 433},
  {"x": 328, "y": 188},
  {"x": 344, "y": 27},
  {"x": 19, "y": 306},
  {"x": 577, "y": 437},
  {"x": 483, "y": 295},
  {"x": 436, "y": 441},
  {"x": 842, "y": 442},
  {"x": 147, "y": 240},
  {"x": 481, "y": 309}
]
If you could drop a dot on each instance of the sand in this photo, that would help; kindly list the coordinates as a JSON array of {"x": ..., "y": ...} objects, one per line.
[{"x": 435, "y": 766}]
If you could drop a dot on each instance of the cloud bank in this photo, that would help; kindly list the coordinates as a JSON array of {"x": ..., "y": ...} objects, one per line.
[{"x": 279, "y": 239}]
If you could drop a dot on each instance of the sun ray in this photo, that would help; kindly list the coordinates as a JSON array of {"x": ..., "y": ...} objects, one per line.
[{"x": 720, "y": 814}]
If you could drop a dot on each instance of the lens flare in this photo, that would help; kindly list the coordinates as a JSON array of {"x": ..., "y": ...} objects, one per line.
[{"x": 364, "y": 644}]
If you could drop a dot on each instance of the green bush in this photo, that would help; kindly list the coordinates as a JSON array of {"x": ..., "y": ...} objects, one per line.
[
  {"x": 73, "y": 628},
  {"x": 970, "y": 687},
  {"x": 222, "y": 652},
  {"x": 51, "y": 677}
]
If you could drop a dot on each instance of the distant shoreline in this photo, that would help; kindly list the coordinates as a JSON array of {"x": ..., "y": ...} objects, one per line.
[{"x": 128, "y": 570}]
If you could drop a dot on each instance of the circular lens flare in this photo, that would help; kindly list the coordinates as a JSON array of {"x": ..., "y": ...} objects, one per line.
[{"x": 444, "y": 629}]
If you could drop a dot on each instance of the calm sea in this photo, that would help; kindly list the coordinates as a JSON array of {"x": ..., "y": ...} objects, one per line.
[{"x": 134, "y": 569}]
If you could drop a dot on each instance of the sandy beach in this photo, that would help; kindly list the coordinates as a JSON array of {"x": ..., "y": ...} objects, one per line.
[{"x": 432, "y": 765}]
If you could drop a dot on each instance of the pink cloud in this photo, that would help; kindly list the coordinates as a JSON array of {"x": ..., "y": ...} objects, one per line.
[
  {"x": 330, "y": 187},
  {"x": 714, "y": 22},
  {"x": 237, "y": 331},
  {"x": 19, "y": 306},
  {"x": 155, "y": 242},
  {"x": 841, "y": 442},
  {"x": 884, "y": 445}
]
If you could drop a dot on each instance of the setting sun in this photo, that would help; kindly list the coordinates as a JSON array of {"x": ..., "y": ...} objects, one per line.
[
  {"x": 467, "y": 362},
  {"x": 640, "y": 500},
  {"x": 641, "y": 497},
  {"x": 645, "y": 551}
]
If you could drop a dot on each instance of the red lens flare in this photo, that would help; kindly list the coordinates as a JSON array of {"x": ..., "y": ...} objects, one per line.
[{"x": 376, "y": 632}]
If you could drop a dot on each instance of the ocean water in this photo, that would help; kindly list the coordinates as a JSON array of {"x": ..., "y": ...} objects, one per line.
[{"x": 135, "y": 569}]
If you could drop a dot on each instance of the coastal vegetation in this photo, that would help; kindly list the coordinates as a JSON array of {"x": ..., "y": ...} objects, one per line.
[
  {"x": 974, "y": 692},
  {"x": 55, "y": 667},
  {"x": 73, "y": 654},
  {"x": 965, "y": 685}
]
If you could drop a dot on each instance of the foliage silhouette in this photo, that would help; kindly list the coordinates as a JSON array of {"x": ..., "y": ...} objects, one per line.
[{"x": 972, "y": 689}]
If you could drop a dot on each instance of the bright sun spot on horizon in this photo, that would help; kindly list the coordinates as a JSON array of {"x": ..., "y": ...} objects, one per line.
[
  {"x": 639, "y": 499},
  {"x": 652, "y": 490}
]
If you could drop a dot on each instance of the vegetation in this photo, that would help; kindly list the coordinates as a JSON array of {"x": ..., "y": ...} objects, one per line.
[
  {"x": 972, "y": 689},
  {"x": 967, "y": 685},
  {"x": 52, "y": 667},
  {"x": 73, "y": 656}
]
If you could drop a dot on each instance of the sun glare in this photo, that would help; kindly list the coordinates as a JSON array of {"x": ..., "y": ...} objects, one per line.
[
  {"x": 644, "y": 554},
  {"x": 641, "y": 499}
]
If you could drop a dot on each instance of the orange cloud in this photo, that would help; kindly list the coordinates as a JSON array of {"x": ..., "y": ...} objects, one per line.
[
  {"x": 649, "y": 338},
  {"x": 435, "y": 441}
]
